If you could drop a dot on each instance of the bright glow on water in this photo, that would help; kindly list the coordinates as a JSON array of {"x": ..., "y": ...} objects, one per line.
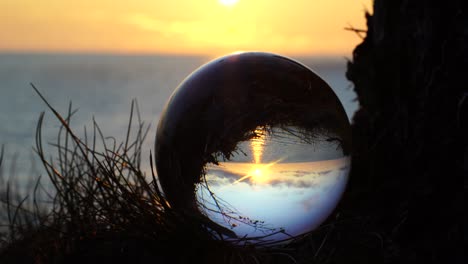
[
  {"x": 282, "y": 197},
  {"x": 261, "y": 199}
]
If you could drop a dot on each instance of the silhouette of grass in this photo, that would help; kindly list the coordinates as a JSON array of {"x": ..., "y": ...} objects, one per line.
[{"x": 103, "y": 207}]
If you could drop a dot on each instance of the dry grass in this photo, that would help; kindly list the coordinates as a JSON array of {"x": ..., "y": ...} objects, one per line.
[{"x": 103, "y": 207}]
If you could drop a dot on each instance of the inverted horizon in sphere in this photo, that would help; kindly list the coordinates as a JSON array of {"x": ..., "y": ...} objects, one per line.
[{"x": 290, "y": 198}]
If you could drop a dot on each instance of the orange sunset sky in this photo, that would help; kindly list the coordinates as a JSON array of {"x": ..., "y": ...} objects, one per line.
[{"x": 198, "y": 27}]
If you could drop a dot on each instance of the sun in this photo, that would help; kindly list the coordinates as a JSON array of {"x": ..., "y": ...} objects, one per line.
[
  {"x": 259, "y": 175},
  {"x": 228, "y": 2}
]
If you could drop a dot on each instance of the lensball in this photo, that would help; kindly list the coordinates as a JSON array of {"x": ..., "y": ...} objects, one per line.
[{"x": 256, "y": 143}]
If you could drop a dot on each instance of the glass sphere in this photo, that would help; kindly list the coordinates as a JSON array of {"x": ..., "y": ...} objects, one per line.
[{"x": 255, "y": 143}]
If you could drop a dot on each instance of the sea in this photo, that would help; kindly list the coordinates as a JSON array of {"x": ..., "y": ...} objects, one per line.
[{"x": 101, "y": 87}]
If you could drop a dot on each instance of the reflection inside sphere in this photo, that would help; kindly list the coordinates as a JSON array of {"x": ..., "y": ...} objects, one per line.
[
  {"x": 280, "y": 184},
  {"x": 256, "y": 144}
]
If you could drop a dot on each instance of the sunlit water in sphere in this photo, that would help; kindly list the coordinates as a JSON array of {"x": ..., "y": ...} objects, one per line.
[
  {"x": 256, "y": 143},
  {"x": 275, "y": 188}
]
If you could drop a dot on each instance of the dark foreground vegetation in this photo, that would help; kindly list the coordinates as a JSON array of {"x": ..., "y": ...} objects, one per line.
[
  {"x": 404, "y": 203},
  {"x": 102, "y": 207}
]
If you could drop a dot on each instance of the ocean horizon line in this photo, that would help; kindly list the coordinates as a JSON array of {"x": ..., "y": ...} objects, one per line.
[{"x": 327, "y": 57}]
